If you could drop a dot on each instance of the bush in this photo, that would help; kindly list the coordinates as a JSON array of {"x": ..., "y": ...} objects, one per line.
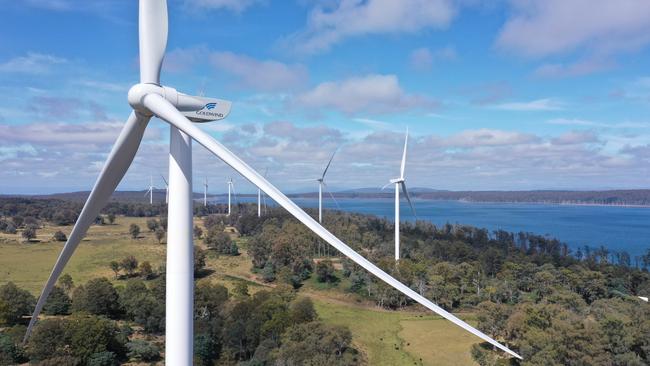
[
  {"x": 145, "y": 270},
  {"x": 129, "y": 265},
  {"x": 217, "y": 240},
  {"x": 60, "y": 236},
  {"x": 14, "y": 304},
  {"x": 105, "y": 358},
  {"x": 29, "y": 232},
  {"x": 160, "y": 234},
  {"x": 325, "y": 271},
  {"x": 134, "y": 230},
  {"x": 141, "y": 350},
  {"x": 152, "y": 225}
]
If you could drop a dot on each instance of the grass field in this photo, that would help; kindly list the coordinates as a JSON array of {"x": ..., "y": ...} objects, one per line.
[{"x": 385, "y": 337}]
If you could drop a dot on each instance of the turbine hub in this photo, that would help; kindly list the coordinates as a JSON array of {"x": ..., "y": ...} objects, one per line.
[{"x": 397, "y": 180}]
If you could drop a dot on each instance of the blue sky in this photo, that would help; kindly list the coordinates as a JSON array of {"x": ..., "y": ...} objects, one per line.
[{"x": 521, "y": 94}]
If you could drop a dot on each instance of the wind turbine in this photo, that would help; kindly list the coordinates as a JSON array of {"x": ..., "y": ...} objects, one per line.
[
  {"x": 400, "y": 183},
  {"x": 149, "y": 98},
  {"x": 259, "y": 197},
  {"x": 150, "y": 190},
  {"x": 231, "y": 188},
  {"x": 205, "y": 192},
  {"x": 166, "y": 189}
]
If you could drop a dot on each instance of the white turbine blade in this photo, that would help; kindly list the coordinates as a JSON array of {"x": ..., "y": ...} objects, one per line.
[
  {"x": 166, "y": 111},
  {"x": 146, "y": 193},
  {"x": 408, "y": 198},
  {"x": 153, "y": 39},
  {"x": 406, "y": 140},
  {"x": 164, "y": 180},
  {"x": 116, "y": 166},
  {"x": 328, "y": 164},
  {"x": 386, "y": 185},
  {"x": 331, "y": 195}
]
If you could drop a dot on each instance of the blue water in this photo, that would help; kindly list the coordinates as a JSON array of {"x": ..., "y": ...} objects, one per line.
[{"x": 617, "y": 228}]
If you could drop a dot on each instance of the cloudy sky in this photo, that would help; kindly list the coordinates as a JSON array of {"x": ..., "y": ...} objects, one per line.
[{"x": 521, "y": 94}]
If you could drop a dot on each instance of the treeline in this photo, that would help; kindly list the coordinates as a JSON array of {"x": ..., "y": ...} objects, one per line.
[
  {"x": 98, "y": 324},
  {"x": 529, "y": 291}
]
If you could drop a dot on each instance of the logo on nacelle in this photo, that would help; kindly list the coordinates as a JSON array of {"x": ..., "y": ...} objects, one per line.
[{"x": 210, "y": 105}]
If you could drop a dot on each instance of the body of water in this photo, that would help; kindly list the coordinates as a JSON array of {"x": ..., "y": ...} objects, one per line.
[{"x": 617, "y": 228}]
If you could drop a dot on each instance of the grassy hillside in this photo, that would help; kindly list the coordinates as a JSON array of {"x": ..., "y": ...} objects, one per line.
[{"x": 386, "y": 337}]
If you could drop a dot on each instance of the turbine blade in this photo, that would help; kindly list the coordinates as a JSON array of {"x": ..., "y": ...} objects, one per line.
[
  {"x": 406, "y": 140},
  {"x": 386, "y": 185},
  {"x": 408, "y": 198},
  {"x": 331, "y": 195},
  {"x": 164, "y": 180},
  {"x": 166, "y": 111},
  {"x": 116, "y": 166},
  {"x": 328, "y": 164},
  {"x": 153, "y": 39}
]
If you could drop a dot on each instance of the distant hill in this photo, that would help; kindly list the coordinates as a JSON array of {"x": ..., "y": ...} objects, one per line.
[{"x": 632, "y": 197}]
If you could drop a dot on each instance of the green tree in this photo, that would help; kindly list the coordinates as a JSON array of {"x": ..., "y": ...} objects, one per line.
[
  {"x": 60, "y": 236},
  {"x": 29, "y": 232},
  {"x": 17, "y": 303},
  {"x": 146, "y": 271},
  {"x": 316, "y": 344},
  {"x": 134, "y": 230},
  {"x": 325, "y": 271},
  {"x": 199, "y": 260},
  {"x": 152, "y": 224},
  {"x": 160, "y": 234},
  {"x": 129, "y": 265},
  {"x": 115, "y": 267},
  {"x": 97, "y": 297},
  {"x": 302, "y": 310},
  {"x": 198, "y": 232},
  {"x": 66, "y": 282},
  {"x": 141, "y": 350},
  {"x": 58, "y": 303}
]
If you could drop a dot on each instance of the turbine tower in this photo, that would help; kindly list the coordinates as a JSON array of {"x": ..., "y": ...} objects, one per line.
[
  {"x": 400, "y": 183},
  {"x": 166, "y": 189},
  {"x": 259, "y": 197},
  {"x": 149, "y": 98},
  {"x": 205, "y": 192},
  {"x": 231, "y": 188}
]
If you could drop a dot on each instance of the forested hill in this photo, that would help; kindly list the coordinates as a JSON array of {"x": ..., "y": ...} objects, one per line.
[{"x": 636, "y": 197}]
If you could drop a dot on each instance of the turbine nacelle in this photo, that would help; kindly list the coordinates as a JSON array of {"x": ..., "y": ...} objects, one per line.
[
  {"x": 396, "y": 180},
  {"x": 195, "y": 108}
]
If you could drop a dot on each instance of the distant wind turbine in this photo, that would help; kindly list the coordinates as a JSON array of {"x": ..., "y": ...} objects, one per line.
[
  {"x": 166, "y": 188},
  {"x": 259, "y": 197},
  {"x": 321, "y": 185},
  {"x": 231, "y": 189},
  {"x": 400, "y": 183},
  {"x": 205, "y": 192},
  {"x": 150, "y": 190}
]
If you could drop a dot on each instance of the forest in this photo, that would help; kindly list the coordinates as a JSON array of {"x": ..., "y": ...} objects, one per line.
[{"x": 550, "y": 304}]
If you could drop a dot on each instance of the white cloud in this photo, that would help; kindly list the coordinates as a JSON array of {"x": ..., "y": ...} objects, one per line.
[
  {"x": 32, "y": 63},
  {"x": 539, "y": 28},
  {"x": 371, "y": 93},
  {"x": 546, "y": 104},
  {"x": 266, "y": 75},
  {"x": 579, "y": 68},
  {"x": 353, "y": 18},
  {"x": 588, "y": 123},
  {"x": 575, "y": 137},
  {"x": 236, "y": 6}
]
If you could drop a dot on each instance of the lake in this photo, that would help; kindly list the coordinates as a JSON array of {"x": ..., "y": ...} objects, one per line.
[{"x": 617, "y": 228}]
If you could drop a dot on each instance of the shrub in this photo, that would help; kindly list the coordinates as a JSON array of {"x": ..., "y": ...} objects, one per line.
[
  {"x": 325, "y": 271},
  {"x": 105, "y": 358},
  {"x": 58, "y": 303},
  {"x": 134, "y": 230},
  {"x": 60, "y": 236},
  {"x": 141, "y": 350},
  {"x": 97, "y": 297},
  {"x": 17, "y": 303},
  {"x": 29, "y": 232}
]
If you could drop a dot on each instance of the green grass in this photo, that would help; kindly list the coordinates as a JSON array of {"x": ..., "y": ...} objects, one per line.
[{"x": 400, "y": 338}]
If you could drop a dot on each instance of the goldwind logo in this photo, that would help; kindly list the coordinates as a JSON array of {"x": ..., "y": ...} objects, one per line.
[{"x": 210, "y": 106}]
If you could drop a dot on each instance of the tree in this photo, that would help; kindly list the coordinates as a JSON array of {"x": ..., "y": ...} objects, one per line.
[
  {"x": 302, "y": 310},
  {"x": 218, "y": 240},
  {"x": 66, "y": 282},
  {"x": 134, "y": 230},
  {"x": 111, "y": 218},
  {"x": 29, "y": 232},
  {"x": 199, "y": 260},
  {"x": 145, "y": 270},
  {"x": 142, "y": 306},
  {"x": 241, "y": 289},
  {"x": 60, "y": 236},
  {"x": 141, "y": 350},
  {"x": 18, "y": 303},
  {"x": 152, "y": 225},
  {"x": 58, "y": 303},
  {"x": 325, "y": 271},
  {"x": 198, "y": 232},
  {"x": 115, "y": 267},
  {"x": 316, "y": 344},
  {"x": 129, "y": 265},
  {"x": 97, "y": 297},
  {"x": 160, "y": 234}
]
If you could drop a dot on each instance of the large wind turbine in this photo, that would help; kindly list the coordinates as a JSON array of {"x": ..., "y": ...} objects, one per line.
[
  {"x": 400, "y": 183},
  {"x": 149, "y": 98}
]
